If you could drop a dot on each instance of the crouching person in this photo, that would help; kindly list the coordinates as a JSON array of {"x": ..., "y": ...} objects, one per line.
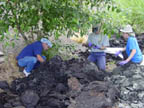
[
  {"x": 31, "y": 55},
  {"x": 133, "y": 53}
]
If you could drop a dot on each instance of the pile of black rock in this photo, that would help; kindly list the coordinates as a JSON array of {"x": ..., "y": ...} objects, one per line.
[
  {"x": 129, "y": 80},
  {"x": 75, "y": 83}
]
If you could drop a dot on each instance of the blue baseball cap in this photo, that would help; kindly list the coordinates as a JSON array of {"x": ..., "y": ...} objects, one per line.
[{"x": 44, "y": 40}]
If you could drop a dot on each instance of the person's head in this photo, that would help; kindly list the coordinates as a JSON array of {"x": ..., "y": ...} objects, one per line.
[
  {"x": 95, "y": 30},
  {"x": 127, "y": 31},
  {"x": 46, "y": 43}
]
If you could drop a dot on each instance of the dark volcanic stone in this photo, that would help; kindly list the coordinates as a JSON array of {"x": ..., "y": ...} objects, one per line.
[
  {"x": 47, "y": 86},
  {"x": 29, "y": 98},
  {"x": 8, "y": 105},
  {"x": 1, "y": 105},
  {"x": 4, "y": 85}
]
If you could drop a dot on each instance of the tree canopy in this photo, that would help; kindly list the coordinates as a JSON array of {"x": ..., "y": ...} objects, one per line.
[
  {"x": 44, "y": 18},
  {"x": 48, "y": 17}
]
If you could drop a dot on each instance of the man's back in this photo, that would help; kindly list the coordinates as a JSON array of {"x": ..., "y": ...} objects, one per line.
[{"x": 31, "y": 50}]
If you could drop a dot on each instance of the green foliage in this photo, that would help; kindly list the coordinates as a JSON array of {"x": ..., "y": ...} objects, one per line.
[
  {"x": 19, "y": 14},
  {"x": 59, "y": 49},
  {"x": 117, "y": 13},
  {"x": 110, "y": 17},
  {"x": 34, "y": 19},
  {"x": 134, "y": 12},
  {"x": 52, "y": 51},
  {"x": 58, "y": 17},
  {"x": 113, "y": 20},
  {"x": 65, "y": 17}
]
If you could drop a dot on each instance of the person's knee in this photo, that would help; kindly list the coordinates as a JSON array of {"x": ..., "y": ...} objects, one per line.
[
  {"x": 19, "y": 63},
  {"x": 102, "y": 64},
  {"x": 34, "y": 60},
  {"x": 91, "y": 59}
]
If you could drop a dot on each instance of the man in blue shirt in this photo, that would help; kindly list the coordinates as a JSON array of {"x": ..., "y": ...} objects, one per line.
[
  {"x": 132, "y": 49},
  {"x": 32, "y": 54}
]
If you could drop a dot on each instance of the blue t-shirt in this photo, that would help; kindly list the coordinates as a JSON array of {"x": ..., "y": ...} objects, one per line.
[
  {"x": 31, "y": 50},
  {"x": 133, "y": 44}
]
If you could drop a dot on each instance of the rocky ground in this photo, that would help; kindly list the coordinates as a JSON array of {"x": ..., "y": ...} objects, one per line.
[
  {"x": 129, "y": 80},
  {"x": 73, "y": 83}
]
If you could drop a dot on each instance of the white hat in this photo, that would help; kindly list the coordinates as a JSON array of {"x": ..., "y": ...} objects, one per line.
[
  {"x": 44, "y": 40},
  {"x": 127, "y": 29}
]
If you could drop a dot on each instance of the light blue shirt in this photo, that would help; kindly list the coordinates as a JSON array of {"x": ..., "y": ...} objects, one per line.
[
  {"x": 98, "y": 40},
  {"x": 133, "y": 44}
]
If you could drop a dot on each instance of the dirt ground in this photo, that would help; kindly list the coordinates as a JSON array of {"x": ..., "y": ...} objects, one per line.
[{"x": 9, "y": 70}]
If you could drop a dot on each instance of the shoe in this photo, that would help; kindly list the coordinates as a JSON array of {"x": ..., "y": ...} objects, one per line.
[{"x": 26, "y": 73}]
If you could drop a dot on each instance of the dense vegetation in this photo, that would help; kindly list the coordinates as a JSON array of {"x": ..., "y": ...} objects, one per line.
[{"x": 33, "y": 19}]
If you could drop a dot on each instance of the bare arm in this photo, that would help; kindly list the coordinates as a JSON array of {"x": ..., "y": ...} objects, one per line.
[
  {"x": 131, "y": 55},
  {"x": 40, "y": 59}
]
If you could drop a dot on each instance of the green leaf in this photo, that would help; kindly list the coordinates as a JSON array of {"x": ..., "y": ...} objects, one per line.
[
  {"x": 2, "y": 37},
  {"x": 13, "y": 44}
]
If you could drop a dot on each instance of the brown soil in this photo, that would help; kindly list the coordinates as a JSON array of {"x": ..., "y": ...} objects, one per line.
[{"x": 9, "y": 70}]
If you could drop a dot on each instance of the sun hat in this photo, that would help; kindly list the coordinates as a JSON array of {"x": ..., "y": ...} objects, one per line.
[
  {"x": 44, "y": 40},
  {"x": 127, "y": 29}
]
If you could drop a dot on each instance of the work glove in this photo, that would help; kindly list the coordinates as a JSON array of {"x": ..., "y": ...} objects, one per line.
[
  {"x": 96, "y": 47},
  {"x": 123, "y": 62},
  {"x": 117, "y": 53},
  {"x": 90, "y": 44}
]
